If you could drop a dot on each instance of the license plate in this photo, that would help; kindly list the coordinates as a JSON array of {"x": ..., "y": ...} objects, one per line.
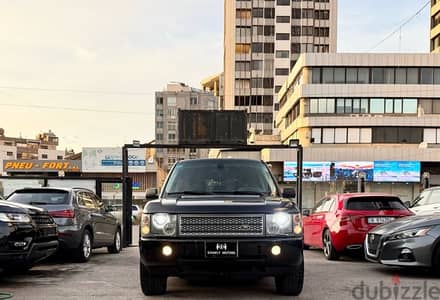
[
  {"x": 221, "y": 249},
  {"x": 380, "y": 220}
]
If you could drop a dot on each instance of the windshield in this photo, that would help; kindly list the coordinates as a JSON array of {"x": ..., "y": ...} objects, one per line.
[
  {"x": 375, "y": 203},
  {"x": 40, "y": 197},
  {"x": 207, "y": 177}
]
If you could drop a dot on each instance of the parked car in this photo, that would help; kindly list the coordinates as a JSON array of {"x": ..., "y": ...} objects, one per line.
[
  {"x": 407, "y": 242},
  {"x": 219, "y": 217},
  {"x": 427, "y": 201},
  {"x": 28, "y": 235},
  {"x": 136, "y": 213},
  {"x": 116, "y": 210},
  {"x": 340, "y": 222},
  {"x": 83, "y": 221}
]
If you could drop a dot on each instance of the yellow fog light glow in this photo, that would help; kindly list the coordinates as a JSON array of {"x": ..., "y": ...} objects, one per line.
[
  {"x": 297, "y": 229},
  {"x": 145, "y": 230},
  {"x": 276, "y": 250},
  {"x": 167, "y": 250}
]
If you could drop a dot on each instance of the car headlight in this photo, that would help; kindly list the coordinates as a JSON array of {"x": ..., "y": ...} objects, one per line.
[
  {"x": 282, "y": 223},
  {"x": 412, "y": 233},
  {"x": 15, "y": 218},
  {"x": 158, "y": 224}
]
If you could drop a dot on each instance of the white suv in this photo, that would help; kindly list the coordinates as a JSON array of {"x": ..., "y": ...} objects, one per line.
[{"x": 427, "y": 201}]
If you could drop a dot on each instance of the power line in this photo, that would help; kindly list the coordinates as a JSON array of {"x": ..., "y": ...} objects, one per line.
[
  {"x": 399, "y": 28},
  {"x": 37, "y": 89},
  {"x": 78, "y": 109}
]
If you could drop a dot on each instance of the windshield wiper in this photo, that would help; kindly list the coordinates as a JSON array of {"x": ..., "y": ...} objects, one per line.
[{"x": 38, "y": 203}]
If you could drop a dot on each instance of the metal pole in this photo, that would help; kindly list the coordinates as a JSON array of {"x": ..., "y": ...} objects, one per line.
[
  {"x": 126, "y": 200},
  {"x": 299, "y": 177}
]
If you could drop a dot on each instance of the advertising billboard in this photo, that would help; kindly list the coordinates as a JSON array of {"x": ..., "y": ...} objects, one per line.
[
  {"x": 349, "y": 170},
  {"x": 397, "y": 171},
  {"x": 312, "y": 171},
  {"x": 109, "y": 160},
  {"x": 24, "y": 166}
]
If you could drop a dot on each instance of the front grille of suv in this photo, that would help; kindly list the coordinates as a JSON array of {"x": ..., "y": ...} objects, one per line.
[{"x": 221, "y": 225}]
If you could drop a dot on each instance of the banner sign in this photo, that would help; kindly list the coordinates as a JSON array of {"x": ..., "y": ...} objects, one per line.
[{"x": 42, "y": 166}]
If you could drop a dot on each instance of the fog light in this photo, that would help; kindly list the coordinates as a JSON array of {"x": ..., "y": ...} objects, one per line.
[
  {"x": 276, "y": 250},
  {"x": 406, "y": 255},
  {"x": 297, "y": 229},
  {"x": 167, "y": 250}
]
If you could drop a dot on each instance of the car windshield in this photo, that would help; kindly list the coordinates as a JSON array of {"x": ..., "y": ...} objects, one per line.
[
  {"x": 221, "y": 176},
  {"x": 34, "y": 197},
  {"x": 375, "y": 203}
]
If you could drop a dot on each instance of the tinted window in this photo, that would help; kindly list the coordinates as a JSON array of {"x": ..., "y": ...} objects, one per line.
[
  {"x": 43, "y": 197},
  {"x": 374, "y": 203},
  {"x": 225, "y": 176}
]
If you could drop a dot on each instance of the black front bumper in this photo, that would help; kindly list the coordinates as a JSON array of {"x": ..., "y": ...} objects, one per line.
[{"x": 254, "y": 258}]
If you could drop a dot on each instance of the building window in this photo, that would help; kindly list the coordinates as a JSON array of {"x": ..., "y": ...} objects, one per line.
[
  {"x": 171, "y": 136},
  {"x": 172, "y": 126},
  {"x": 243, "y": 14},
  {"x": 269, "y": 30},
  {"x": 8, "y": 153},
  {"x": 409, "y": 106},
  {"x": 296, "y": 13},
  {"x": 269, "y": 47},
  {"x": 426, "y": 76},
  {"x": 283, "y": 2},
  {"x": 283, "y": 36},
  {"x": 159, "y": 125},
  {"x": 307, "y": 30},
  {"x": 316, "y": 135},
  {"x": 159, "y": 100},
  {"x": 171, "y": 101},
  {"x": 258, "y": 12},
  {"x": 296, "y": 31},
  {"x": 257, "y": 47},
  {"x": 242, "y": 31},
  {"x": 159, "y": 112},
  {"x": 397, "y": 135},
  {"x": 257, "y": 65},
  {"x": 328, "y": 135},
  {"x": 377, "y": 106},
  {"x": 242, "y": 48},
  {"x": 322, "y": 14},
  {"x": 341, "y": 135},
  {"x": 194, "y": 100},
  {"x": 44, "y": 156},
  {"x": 59, "y": 157},
  {"x": 282, "y": 54},
  {"x": 283, "y": 19},
  {"x": 172, "y": 112},
  {"x": 159, "y": 136},
  {"x": 322, "y": 106},
  {"x": 281, "y": 71},
  {"x": 269, "y": 13},
  {"x": 322, "y": 32},
  {"x": 431, "y": 135},
  {"x": 296, "y": 48},
  {"x": 308, "y": 13}
]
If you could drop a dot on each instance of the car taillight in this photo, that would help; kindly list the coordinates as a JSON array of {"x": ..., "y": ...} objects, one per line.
[
  {"x": 67, "y": 213},
  {"x": 344, "y": 220}
]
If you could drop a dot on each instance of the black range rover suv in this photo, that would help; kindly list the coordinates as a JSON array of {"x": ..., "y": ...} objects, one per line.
[{"x": 221, "y": 217}]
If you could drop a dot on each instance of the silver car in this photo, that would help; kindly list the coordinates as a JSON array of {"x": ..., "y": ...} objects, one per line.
[{"x": 409, "y": 242}]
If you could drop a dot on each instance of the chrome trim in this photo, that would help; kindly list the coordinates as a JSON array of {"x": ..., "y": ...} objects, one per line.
[
  {"x": 366, "y": 247},
  {"x": 260, "y": 216}
]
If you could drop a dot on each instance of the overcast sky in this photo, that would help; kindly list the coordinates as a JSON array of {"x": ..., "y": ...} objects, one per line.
[{"x": 113, "y": 55}]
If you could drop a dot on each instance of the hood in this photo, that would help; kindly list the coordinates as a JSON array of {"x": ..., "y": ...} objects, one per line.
[
  {"x": 13, "y": 207},
  {"x": 408, "y": 223},
  {"x": 214, "y": 204}
]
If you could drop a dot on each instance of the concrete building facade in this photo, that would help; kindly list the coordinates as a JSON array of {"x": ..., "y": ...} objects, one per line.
[
  {"x": 168, "y": 102},
  {"x": 263, "y": 40},
  {"x": 362, "y": 107}
]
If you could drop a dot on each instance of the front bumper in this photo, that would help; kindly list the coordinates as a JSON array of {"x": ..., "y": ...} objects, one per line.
[
  {"x": 418, "y": 252},
  {"x": 254, "y": 258}
]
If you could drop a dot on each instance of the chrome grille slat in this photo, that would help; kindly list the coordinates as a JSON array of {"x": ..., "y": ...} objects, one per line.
[
  {"x": 221, "y": 225},
  {"x": 373, "y": 245}
]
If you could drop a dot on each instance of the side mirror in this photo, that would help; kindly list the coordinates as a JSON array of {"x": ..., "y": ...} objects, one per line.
[
  {"x": 306, "y": 212},
  {"x": 289, "y": 193},
  {"x": 151, "y": 194}
]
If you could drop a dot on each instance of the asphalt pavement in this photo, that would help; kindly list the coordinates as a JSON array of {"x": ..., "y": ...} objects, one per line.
[{"x": 116, "y": 276}]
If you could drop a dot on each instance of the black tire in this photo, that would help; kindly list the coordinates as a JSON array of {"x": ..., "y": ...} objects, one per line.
[
  {"x": 290, "y": 284},
  {"x": 436, "y": 262},
  {"x": 116, "y": 247},
  {"x": 152, "y": 285},
  {"x": 82, "y": 254},
  {"x": 329, "y": 251}
]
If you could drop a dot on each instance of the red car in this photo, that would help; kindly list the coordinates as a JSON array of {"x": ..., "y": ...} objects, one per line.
[{"x": 340, "y": 222}]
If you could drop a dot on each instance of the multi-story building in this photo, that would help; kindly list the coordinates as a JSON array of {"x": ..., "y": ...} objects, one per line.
[
  {"x": 43, "y": 147},
  {"x": 168, "y": 102},
  {"x": 215, "y": 85},
  {"x": 435, "y": 27},
  {"x": 363, "y": 108},
  {"x": 263, "y": 40}
]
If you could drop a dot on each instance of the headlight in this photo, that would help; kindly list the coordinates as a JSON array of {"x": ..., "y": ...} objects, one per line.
[
  {"x": 417, "y": 232},
  {"x": 283, "y": 224},
  {"x": 163, "y": 224},
  {"x": 15, "y": 218}
]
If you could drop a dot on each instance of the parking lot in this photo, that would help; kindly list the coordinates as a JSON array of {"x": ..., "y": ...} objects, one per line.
[{"x": 109, "y": 276}]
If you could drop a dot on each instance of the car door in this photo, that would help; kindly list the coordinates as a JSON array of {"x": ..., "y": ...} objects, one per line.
[
  {"x": 108, "y": 221},
  {"x": 312, "y": 226},
  {"x": 321, "y": 220},
  {"x": 95, "y": 216}
]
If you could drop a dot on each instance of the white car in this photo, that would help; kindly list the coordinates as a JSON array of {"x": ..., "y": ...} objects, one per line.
[
  {"x": 427, "y": 201},
  {"x": 116, "y": 210}
]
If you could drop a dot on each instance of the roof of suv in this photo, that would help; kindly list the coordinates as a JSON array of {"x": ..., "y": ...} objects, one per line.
[{"x": 200, "y": 160}]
